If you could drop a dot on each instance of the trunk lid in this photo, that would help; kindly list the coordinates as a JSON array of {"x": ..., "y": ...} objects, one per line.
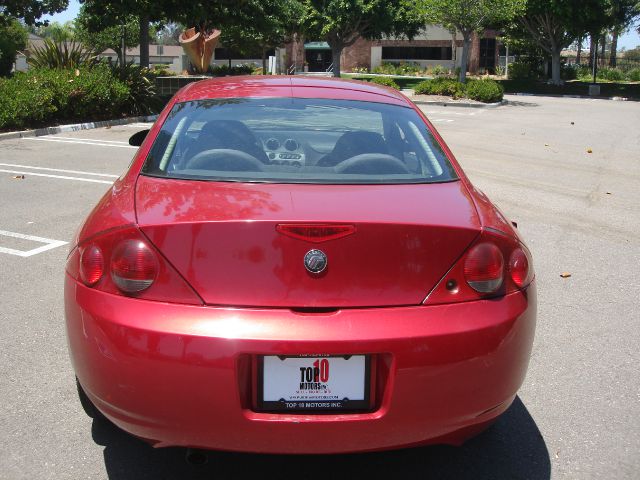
[{"x": 222, "y": 238}]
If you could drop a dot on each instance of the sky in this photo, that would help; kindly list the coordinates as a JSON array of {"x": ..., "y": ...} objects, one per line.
[{"x": 629, "y": 40}]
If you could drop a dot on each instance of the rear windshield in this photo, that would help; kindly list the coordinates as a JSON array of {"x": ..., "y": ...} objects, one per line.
[{"x": 296, "y": 140}]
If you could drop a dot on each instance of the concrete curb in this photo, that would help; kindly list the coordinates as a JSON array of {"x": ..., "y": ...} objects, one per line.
[
  {"x": 586, "y": 97},
  {"x": 461, "y": 104},
  {"x": 39, "y": 132}
]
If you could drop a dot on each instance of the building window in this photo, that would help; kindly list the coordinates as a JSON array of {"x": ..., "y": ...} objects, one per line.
[
  {"x": 159, "y": 49},
  {"x": 416, "y": 53}
]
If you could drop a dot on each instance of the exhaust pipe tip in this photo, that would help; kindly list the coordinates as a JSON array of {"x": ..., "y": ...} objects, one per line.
[{"x": 195, "y": 457}]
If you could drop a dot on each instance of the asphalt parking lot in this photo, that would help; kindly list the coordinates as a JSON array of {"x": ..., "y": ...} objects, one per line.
[{"x": 577, "y": 415}]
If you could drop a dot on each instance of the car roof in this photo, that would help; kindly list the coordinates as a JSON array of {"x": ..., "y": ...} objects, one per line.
[{"x": 299, "y": 86}]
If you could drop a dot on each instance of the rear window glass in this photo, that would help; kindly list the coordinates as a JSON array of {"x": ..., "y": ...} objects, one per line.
[{"x": 295, "y": 140}]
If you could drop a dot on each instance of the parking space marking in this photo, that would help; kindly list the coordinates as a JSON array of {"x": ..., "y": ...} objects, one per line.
[
  {"x": 61, "y": 177},
  {"x": 139, "y": 125},
  {"x": 48, "y": 244},
  {"x": 92, "y": 140},
  {"x": 98, "y": 143},
  {"x": 440, "y": 120},
  {"x": 59, "y": 170}
]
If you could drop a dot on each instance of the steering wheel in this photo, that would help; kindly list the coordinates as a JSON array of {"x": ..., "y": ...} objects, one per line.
[
  {"x": 372, "y": 164},
  {"x": 226, "y": 160}
]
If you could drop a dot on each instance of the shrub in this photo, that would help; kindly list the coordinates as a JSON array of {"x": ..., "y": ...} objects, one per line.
[
  {"x": 485, "y": 90},
  {"x": 634, "y": 75},
  {"x": 61, "y": 55},
  {"x": 43, "y": 96},
  {"x": 140, "y": 82},
  {"x": 223, "y": 70},
  {"x": 385, "y": 69},
  {"x": 439, "y": 70},
  {"x": 611, "y": 74},
  {"x": 441, "y": 86},
  {"x": 521, "y": 71},
  {"x": 386, "y": 81}
]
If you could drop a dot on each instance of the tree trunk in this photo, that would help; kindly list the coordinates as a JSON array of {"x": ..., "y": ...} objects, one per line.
[
  {"x": 264, "y": 61},
  {"x": 556, "y": 78},
  {"x": 614, "y": 49},
  {"x": 464, "y": 61},
  {"x": 336, "y": 52},
  {"x": 454, "y": 49},
  {"x": 592, "y": 45},
  {"x": 604, "y": 45},
  {"x": 144, "y": 41},
  {"x": 579, "y": 54}
]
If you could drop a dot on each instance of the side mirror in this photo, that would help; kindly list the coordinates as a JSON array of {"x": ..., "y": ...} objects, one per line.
[{"x": 137, "y": 138}]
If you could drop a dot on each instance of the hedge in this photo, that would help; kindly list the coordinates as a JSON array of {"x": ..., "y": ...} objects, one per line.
[
  {"x": 44, "y": 96},
  {"x": 484, "y": 90}
]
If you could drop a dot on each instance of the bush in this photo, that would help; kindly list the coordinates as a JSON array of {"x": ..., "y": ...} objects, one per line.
[
  {"x": 224, "y": 70},
  {"x": 485, "y": 90},
  {"x": 140, "y": 82},
  {"x": 44, "y": 96},
  {"x": 439, "y": 70},
  {"x": 386, "y": 81},
  {"x": 61, "y": 55},
  {"x": 634, "y": 75},
  {"x": 611, "y": 74},
  {"x": 521, "y": 71},
  {"x": 441, "y": 86}
]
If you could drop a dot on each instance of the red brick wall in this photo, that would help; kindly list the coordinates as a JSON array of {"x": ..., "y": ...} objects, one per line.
[{"x": 357, "y": 55}]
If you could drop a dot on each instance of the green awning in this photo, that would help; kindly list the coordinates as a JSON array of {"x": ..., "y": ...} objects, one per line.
[{"x": 316, "y": 46}]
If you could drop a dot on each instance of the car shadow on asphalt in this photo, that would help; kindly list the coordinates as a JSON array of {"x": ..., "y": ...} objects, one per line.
[
  {"x": 519, "y": 103},
  {"x": 512, "y": 448}
]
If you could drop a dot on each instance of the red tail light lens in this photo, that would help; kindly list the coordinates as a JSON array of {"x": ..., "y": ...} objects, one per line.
[
  {"x": 133, "y": 266},
  {"x": 495, "y": 264},
  {"x": 519, "y": 267},
  {"x": 123, "y": 261},
  {"x": 315, "y": 233},
  {"x": 91, "y": 265},
  {"x": 484, "y": 268}
]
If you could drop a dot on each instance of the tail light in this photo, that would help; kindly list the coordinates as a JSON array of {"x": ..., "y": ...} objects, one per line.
[
  {"x": 91, "y": 265},
  {"x": 496, "y": 264},
  {"x": 135, "y": 268},
  {"x": 315, "y": 233},
  {"x": 484, "y": 268}
]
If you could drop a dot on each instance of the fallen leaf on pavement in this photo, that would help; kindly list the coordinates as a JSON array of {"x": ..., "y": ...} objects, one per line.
[
  {"x": 565, "y": 274},
  {"x": 18, "y": 177},
  {"x": 589, "y": 150}
]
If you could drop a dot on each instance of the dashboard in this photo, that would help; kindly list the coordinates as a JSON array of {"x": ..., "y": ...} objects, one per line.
[{"x": 284, "y": 151}]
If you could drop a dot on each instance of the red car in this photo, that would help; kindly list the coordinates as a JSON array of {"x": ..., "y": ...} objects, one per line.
[{"x": 295, "y": 265}]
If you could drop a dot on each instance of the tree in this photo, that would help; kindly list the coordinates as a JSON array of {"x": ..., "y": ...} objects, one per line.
[
  {"x": 341, "y": 22},
  {"x": 97, "y": 35},
  {"x": 623, "y": 13},
  {"x": 469, "y": 17},
  {"x": 555, "y": 24},
  {"x": 58, "y": 32},
  {"x": 29, "y": 11},
  {"x": 260, "y": 25},
  {"x": 13, "y": 38},
  {"x": 169, "y": 34}
]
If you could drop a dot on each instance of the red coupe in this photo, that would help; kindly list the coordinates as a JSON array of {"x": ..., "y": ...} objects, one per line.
[{"x": 296, "y": 265}]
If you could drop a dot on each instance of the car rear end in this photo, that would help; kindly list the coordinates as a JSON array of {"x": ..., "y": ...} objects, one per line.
[{"x": 202, "y": 324}]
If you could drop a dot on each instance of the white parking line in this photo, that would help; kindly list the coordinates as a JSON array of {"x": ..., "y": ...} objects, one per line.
[
  {"x": 440, "y": 120},
  {"x": 91, "y": 140},
  {"x": 49, "y": 244},
  {"x": 79, "y": 142},
  {"x": 59, "y": 170},
  {"x": 62, "y": 177}
]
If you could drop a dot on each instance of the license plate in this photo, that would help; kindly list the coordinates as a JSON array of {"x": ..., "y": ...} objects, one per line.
[{"x": 314, "y": 382}]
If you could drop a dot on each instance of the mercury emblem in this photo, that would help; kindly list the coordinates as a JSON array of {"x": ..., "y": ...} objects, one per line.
[{"x": 315, "y": 261}]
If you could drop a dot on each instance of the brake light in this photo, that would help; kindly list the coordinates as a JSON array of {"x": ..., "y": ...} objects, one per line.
[
  {"x": 315, "y": 233},
  {"x": 519, "y": 267},
  {"x": 484, "y": 268},
  {"x": 495, "y": 264},
  {"x": 133, "y": 266},
  {"x": 124, "y": 262},
  {"x": 91, "y": 265}
]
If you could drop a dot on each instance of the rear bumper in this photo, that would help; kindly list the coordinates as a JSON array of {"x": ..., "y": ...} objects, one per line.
[{"x": 185, "y": 375}]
